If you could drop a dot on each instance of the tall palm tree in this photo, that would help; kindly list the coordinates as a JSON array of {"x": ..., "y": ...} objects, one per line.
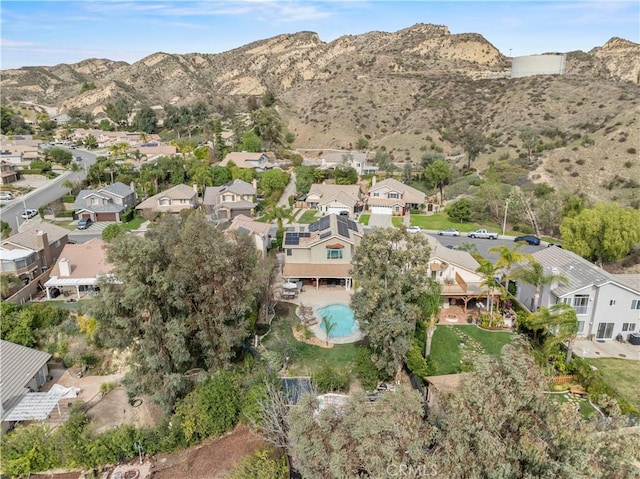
[
  {"x": 429, "y": 302},
  {"x": 535, "y": 275},
  {"x": 559, "y": 324},
  {"x": 490, "y": 282},
  {"x": 509, "y": 257},
  {"x": 328, "y": 326}
]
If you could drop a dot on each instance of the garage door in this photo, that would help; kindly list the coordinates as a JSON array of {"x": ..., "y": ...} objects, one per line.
[
  {"x": 336, "y": 210},
  {"x": 105, "y": 216},
  {"x": 381, "y": 210}
]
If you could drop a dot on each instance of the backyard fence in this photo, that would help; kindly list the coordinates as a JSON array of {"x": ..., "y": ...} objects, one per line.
[{"x": 567, "y": 378}]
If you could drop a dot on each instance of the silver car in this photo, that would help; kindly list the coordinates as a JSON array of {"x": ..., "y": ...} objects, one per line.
[{"x": 449, "y": 232}]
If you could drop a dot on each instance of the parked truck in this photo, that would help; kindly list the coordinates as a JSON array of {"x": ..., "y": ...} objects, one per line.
[{"x": 483, "y": 234}]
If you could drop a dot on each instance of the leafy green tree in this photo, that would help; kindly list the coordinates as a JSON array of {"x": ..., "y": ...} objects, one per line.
[
  {"x": 113, "y": 231},
  {"x": 220, "y": 147},
  {"x": 535, "y": 275},
  {"x": 274, "y": 181},
  {"x": 7, "y": 283},
  {"x": 263, "y": 464},
  {"x": 5, "y": 229},
  {"x": 220, "y": 175},
  {"x": 251, "y": 142},
  {"x": 384, "y": 162},
  {"x": 438, "y": 175},
  {"x": 429, "y": 158},
  {"x": 509, "y": 257},
  {"x": 91, "y": 142},
  {"x": 244, "y": 174},
  {"x": 473, "y": 142},
  {"x": 530, "y": 140},
  {"x": 490, "y": 282},
  {"x": 119, "y": 111},
  {"x": 407, "y": 173},
  {"x": 106, "y": 125},
  {"x": 461, "y": 210},
  {"x": 304, "y": 178},
  {"x": 146, "y": 120},
  {"x": 390, "y": 266},
  {"x": 23, "y": 325},
  {"x": 212, "y": 408},
  {"x": 429, "y": 303},
  {"x": 345, "y": 175},
  {"x": 183, "y": 301},
  {"x": 58, "y": 155},
  {"x": 365, "y": 439},
  {"x": 603, "y": 234},
  {"x": 558, "y": 323},
  {"x": 268, "y": 125}
]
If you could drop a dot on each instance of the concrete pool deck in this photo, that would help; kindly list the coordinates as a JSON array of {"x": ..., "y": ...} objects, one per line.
[{"x": 318, "y": 299}]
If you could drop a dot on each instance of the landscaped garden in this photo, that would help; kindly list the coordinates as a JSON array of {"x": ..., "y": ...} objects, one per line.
[
  {"x": 586, "y": 409},
  {"x": 308, "y": 217},
  {"x": 450, "y": 343},
  {"x": 441, "y": 221},
  {"x": 621, "y": 375}
]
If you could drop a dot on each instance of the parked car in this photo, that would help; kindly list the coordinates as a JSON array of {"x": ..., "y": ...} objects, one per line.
[
  {"x": 483, "y": 234},
  {"x": 414, "y": 229},
  {"x": 84, "y": 223},
  {"x": 6, "y": 196},
  {"x": 449, "y": 232},
  {"x": 28, "y": 214},
  {"x": 78, "y": 158},
  {"x": 529, "y": 239}
]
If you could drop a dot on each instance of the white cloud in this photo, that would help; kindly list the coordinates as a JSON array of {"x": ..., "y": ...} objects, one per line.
[{"x": 5, "y": 43}]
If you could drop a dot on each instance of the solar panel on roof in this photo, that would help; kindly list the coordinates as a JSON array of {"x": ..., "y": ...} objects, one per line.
[
  {"x": 343, "y": 230},
  {"x": 291, "y": 239},
  {"x": 305, "y": 235},
  {"x": 325, "y": 234},
  {"x": 324, "y": 223},
  {"x": 313, "y": 226},
  {"x": 352, "y": 225}
]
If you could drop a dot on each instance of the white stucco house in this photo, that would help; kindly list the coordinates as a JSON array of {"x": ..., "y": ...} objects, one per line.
[{"x": 606, "y": 304}]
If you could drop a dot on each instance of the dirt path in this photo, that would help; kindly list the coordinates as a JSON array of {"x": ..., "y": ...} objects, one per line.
[{"x": 212, "y": 459}]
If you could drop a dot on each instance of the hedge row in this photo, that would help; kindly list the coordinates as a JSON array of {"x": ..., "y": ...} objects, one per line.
[
  {"x": 68, "y": 198},
  {"x": 64, "y": 214}
]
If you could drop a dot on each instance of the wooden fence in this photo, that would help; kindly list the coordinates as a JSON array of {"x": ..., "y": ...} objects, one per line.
[{"x": 567, "y": 378}]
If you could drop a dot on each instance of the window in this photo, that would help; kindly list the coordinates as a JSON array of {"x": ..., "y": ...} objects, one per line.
[
  {"x": 397, "y": 208},
  {"x": 164, "y": 202},
  {"x": 289, "y": 252},
  {"x": 628, "y": 327},
  {"x": 612, "y": 302},
  {"x": 581, "y": 326},
  {"x": 393, "y": 196},
  {"x": 605, "y": 331},
  {"x": 376, "y": 194},
  {"x": 334, "y": 253},
  {"x": 635, "y": 304},
  {"x": 580, "y": 302}
]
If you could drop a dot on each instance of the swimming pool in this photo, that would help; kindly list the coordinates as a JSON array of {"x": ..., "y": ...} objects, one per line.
[{"x": 342, "y": 316}]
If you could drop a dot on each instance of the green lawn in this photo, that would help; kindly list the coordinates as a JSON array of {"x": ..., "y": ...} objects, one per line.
[
  {"x": 364, "y": 218},
  {"x": 306, "y": 359},
  {"x": 623, "y": 375},
  {"x": 308, "y": 217},
  {"x": 135, "y": 223},
  {"x": 440, "y": 221},
  {"x": 446, "y": 349}
]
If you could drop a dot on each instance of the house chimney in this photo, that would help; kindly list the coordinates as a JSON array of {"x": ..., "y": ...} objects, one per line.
[
  {"x": 254, "y": 183},
  {"x": 44, "y": 250},
  {"x": 195, "y": 188},
  {"x": 373, "y": 180},
  {"x": 65, "y": 267},
  {"x": 133, "y": 188},
  {"x": 555, "y": 272}
]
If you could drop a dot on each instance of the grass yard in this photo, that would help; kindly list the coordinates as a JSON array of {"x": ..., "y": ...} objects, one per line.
[
  {"x": 306, "y": 359},
  {"x": 446, "y": 349},
  {"x": 308, "y": 217},
  {"x": 440, "y": 221},
  {"x": 135, "y": 223},
  {"x": 622, "y": 375},
  {"x": 364, "y": 218}
]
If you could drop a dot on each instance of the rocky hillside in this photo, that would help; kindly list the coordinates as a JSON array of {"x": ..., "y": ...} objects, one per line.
[{"x": 410, "y": 91}]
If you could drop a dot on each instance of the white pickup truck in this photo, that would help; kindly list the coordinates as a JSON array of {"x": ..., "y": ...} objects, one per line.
[{"x": 482, "y": 233}]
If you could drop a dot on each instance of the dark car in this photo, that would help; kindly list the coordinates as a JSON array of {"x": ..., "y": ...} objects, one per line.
[
  {"x": 84, "y": 223},
  {"x": 529, "y": 239}
]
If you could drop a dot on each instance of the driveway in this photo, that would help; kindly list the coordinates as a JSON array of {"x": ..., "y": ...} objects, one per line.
[
  {"x": 289, "y": 190},
  {"x": 380, "y": 221}
]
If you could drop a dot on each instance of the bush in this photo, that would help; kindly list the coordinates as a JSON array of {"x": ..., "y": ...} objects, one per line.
[
  {"x": 128, "y": 215},
  {"x": 65, "y": 214},
  {"x": 262, "y": 464},
  {"x": 68, "y": 199},
  {"x": 416, "y": 361},
  {"x": 328, "y": 380},
  {"x": 366, "y": 371}
]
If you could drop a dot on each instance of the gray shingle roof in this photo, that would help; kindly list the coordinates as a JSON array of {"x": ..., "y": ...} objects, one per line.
[
  {"x": 580, "y": 272},
  {"x": 18, "y": 364}
]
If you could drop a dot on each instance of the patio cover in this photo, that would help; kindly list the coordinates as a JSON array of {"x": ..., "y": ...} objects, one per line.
[{"x": 34, "y": 407}]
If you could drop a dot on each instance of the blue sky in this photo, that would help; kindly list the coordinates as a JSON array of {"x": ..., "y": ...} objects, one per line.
[{"x": 52, "y": 32}]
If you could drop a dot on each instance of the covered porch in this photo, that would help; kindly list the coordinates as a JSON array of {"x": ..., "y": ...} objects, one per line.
[
  {"x": 316, "y": 275},
  {"x": 79, "y": 285}
]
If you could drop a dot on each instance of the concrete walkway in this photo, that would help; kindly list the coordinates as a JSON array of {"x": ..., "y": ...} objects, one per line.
[{"x": 380, "y": 221}]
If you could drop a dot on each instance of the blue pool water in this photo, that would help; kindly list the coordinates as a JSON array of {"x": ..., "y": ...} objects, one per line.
[{"x": 341, "y": 315}]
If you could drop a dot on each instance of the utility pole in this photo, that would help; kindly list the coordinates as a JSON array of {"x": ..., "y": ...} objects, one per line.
[
  {"x": 510, "y": 53},
  {"x": 504, "y": 223}
]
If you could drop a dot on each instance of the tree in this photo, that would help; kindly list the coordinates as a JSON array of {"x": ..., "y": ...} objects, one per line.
[
  {"x": 438, "y": 174},
  {"x": 58, "y": 155},
  {"x": 384, "y": 162},
  {"x": 273, "y": 182},
  {"x": 146, "y": 120},
  {"x": 430, "y": 302},
  {"x": 328, "y": 325},
  {"x": 220, "y": 175},
  {"x": 5, "y": 229},
  {"x": 345, "y": 175},
  {"x": 119, "y": 111},
  {"x": 220, "y": 146},
  {"x": 113, "y": 231},
  {"x": 530, "y": 140},
  {"x": 509, "y": 257},
  {"x": 461, "y": 210},
  {"x": 268, "y": 125},
  {"x": 91, "y": 142},
  {"x": 7, "y": 283},
  {"x": 390, "y": 266},
  {"x": 473, "y": 142},
  {"x": 263, "y": 464},
  {"x": 182, "y": 301},
  {"x": 363, "y": 438},
  {"x": 535, "y": 275},
  {"x": 602, "y": 234},
  {"x": 558, "y": 324},
  {"x": 251, "y": 142},
  {"x": 490, "y": 282}
]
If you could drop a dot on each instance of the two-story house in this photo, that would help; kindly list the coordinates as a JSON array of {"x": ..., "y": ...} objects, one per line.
[
  {"x": 391, "y": 197},
  {"x": 334, "y": 199},
  {"x": 260, "y": 232},
  {"x": 172, "y": 201},
  {"x": 105, "y": 204},
  {"x": 246, "y": 159},
  {"x": 322, "y": 251},
  {"x": 8, "y": 173},
  {"x": 228, "y": 201},
  {"x": 29, "y": 253},
  {"x": 606, "y": 304}
]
